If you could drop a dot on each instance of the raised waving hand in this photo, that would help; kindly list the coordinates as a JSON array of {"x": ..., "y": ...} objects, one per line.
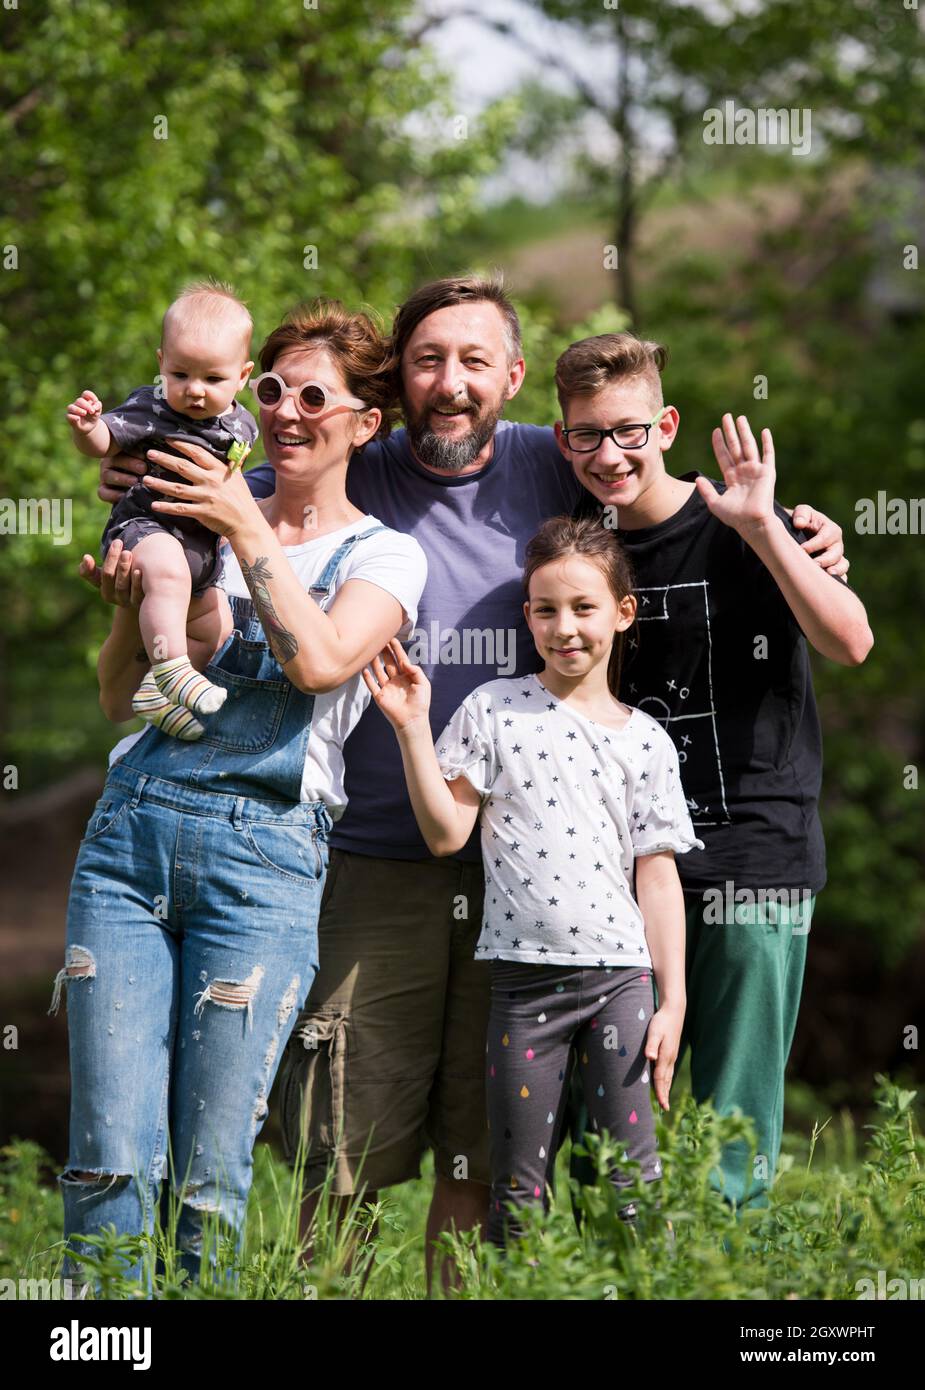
[
  {"x": 399, "y": 688},
  {"x": 748, "y": 501}
]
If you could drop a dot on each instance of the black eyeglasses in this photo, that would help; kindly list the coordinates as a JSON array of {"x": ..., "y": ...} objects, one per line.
[{"x": 583, "y": 440}]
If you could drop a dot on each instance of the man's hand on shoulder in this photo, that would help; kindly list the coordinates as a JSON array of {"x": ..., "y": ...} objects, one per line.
[{"x": 826, "y": 542}]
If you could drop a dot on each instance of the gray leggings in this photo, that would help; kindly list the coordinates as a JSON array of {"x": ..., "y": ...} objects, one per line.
[{"x": 539, "y": 1012}]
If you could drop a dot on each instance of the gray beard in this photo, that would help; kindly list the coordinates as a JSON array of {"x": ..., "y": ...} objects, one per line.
[{"x": 452, "y": 455}]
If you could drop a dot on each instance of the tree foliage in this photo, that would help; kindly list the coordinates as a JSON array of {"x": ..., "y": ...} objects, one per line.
[
  {"x": 651, "y": 71},
  {"x": 290, "y": 150}
]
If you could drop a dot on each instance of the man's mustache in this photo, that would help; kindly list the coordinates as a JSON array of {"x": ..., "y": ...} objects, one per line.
[{"x": 453, "y": 405}]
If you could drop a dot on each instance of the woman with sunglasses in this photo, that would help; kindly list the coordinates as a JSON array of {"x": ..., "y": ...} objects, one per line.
[{"x": 191, "y": 937}]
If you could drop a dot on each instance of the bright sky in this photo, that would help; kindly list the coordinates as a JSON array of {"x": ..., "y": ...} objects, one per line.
[{"x": 488, "y": 64}]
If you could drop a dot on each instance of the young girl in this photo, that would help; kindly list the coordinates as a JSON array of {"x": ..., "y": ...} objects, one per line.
[{"x": 576, "y": 792}]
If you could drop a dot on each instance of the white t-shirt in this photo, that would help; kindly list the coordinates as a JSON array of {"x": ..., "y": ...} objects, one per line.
[
  {"x": 390, "y": 559},
  {"x": 567, "y": 806}
]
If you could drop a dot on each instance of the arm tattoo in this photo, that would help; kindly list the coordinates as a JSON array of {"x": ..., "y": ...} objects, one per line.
[{"x": 283, "y": 644}]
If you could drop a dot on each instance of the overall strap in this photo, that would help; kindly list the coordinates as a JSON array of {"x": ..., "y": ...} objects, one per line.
[
  {"x": 322, "y": 586},
  {"x": 245, "y": 618}
]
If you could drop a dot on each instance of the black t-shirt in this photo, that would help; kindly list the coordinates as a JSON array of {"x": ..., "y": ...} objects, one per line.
[{"x": 719, "y": 660}]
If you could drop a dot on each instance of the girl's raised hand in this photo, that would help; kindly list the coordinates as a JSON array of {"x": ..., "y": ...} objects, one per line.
[{"x": 400, "y": 689}]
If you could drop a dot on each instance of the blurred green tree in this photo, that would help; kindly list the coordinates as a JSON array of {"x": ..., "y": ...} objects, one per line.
[
  {"x": 291, "y": 150},
  {"x": 651, "y": 72}
]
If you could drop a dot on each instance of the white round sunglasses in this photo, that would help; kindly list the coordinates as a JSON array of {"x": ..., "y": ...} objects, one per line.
[{"x": 312, "y": 397}]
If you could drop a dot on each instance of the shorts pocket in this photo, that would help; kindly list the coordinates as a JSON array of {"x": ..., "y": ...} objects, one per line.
[{"x": 312, "y": 1098}]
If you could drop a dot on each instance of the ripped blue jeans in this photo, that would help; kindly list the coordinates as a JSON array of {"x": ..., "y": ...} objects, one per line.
[{"x": 191, "y": 946}]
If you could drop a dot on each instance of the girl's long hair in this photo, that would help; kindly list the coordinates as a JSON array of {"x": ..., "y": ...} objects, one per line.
[{"x": 589, "y": 538}]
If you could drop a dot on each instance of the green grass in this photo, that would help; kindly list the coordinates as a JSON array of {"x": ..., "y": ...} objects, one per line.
[{"x": 835, "y": 1217}]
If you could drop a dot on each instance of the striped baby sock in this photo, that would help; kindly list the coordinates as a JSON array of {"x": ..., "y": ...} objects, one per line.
[
  {"x": 182, "y": 684},
  {"x": 175, "y": 720}
]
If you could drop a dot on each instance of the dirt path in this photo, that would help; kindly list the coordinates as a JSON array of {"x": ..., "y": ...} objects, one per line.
[{"x": 569, "y": 267}]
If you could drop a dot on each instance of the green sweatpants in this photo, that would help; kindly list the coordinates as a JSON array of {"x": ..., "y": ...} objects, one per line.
[{"x": 744, "y": 978}]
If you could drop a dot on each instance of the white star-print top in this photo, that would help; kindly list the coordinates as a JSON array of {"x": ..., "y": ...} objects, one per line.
[{"x": 567, "y": 805}]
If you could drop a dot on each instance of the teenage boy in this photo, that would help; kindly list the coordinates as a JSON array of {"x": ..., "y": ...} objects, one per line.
[{"x": 728, "y": 605}]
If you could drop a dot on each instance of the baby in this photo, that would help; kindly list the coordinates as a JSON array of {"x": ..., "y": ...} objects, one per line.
[{"x": 203, "y": 361}]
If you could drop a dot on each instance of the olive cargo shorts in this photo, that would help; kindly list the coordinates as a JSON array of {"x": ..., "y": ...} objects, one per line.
[{"x": 388, "y": 1055}]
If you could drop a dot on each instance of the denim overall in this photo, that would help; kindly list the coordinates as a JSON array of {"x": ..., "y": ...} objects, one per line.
[{"x": 191, "y": 946}]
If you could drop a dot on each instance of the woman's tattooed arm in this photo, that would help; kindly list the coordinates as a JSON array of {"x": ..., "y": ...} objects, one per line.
[{"x": 282, "y": 642}]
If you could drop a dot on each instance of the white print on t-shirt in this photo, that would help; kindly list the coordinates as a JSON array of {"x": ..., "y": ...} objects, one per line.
[{"x": 687, "y": 713}]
